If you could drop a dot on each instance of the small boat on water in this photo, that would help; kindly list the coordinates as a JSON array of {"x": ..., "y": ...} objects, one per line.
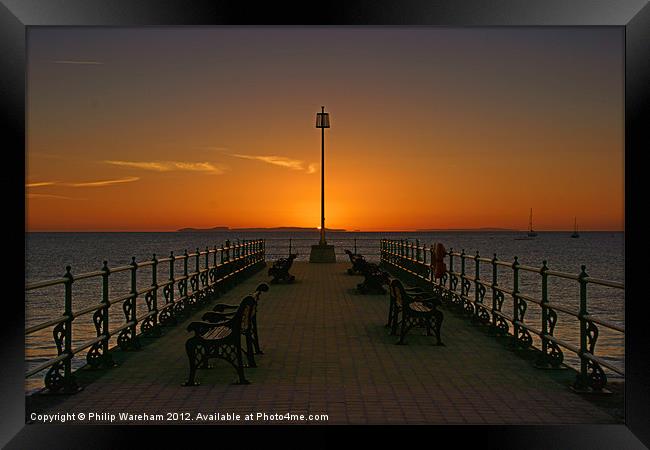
[
  {"x": 531, "y": 232},
  {"x": 575, "y": 229}
]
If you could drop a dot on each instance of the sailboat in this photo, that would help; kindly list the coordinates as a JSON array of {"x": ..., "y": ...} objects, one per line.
[
  {"x": 575, "y": 229},
  {"x": 531, "y": 232}
]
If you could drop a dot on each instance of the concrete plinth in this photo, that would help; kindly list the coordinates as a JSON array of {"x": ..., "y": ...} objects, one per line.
[{"x": 322, "y": 253}]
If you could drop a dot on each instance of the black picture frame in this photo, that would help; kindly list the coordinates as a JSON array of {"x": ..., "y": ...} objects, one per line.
[{"x": 17, "y": 15}]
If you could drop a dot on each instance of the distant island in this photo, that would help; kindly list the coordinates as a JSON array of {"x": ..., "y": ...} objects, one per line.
[
  {"x": 307, "y": 229},
  {"x": 465, "y": 229},
  {"x": 291, "y": 229}
]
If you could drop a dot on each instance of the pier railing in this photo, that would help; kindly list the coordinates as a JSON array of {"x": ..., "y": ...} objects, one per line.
[
  {"x": 466, "y": 290},
  {"x": 282, "y": 247},
  {"x": 160, "y": 304}
]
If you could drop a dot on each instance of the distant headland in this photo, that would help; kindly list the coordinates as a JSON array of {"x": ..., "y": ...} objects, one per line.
[
  {"x": 307, "y": 229},
  {"x": 465, "y": 229},
  {"x": 290, "y": 229}
]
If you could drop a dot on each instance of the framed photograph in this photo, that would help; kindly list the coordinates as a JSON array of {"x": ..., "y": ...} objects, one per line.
[{"x": 419, "y": 213}]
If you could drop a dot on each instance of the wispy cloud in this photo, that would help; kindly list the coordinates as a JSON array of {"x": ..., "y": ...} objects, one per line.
[
  {"x": 282, "y": 161},
  {"x": 71, "y": 61},
  {"x": 103, "y": 182},
  {"x": 141, "y": 165},
  {"x": 58, "y": 197},
  {"x": 167, "y": 166},
  {"x": 40, "y": 184},
  {"x": 80, "y": 184},
  {"x": 312, "y": 168}
]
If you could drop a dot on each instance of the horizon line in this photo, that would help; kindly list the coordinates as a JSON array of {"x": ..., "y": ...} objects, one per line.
[{"x": 335, "y": 230}]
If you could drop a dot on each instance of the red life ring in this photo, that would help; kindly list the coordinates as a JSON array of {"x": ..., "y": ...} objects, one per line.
[{"x": 439, "y": 266}]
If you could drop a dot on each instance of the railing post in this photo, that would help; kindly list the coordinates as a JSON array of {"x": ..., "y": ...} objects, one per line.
[
  {"x": 134, "y": 299},
  {"x": 207, "y": 267},
  {"x": 183, "y": 283},
  {"x": 355, "y": 246},
  {"x": 62, "y": 334},
  {"x": 495, "y": 293},
  {"x": 583, "y": 377},
  {"x": 477, "y": 285},
  {"x": 154, "y": 293},
  {"x": 170, "y": 298},
  {"x": 463, "y": 291},
  {"x": 417, "y": 250},
  {"x": 106, "y": 302},
  {"x": 67, "y": 340},
  {"x": 149, "y": 326},
  {"x": 128, "y": 336},
  {"x": 69, "y": 382},
  {"x": 515, "y": 302},
  {"x": 451, "y": 266},
  {"x": 544, "y": 305}
]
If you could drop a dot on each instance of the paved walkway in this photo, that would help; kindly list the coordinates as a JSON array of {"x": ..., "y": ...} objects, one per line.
[{"x": 327, "y": 352}]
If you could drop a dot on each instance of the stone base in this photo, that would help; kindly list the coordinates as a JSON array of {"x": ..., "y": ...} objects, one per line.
[{"x": 322, "y": 254}]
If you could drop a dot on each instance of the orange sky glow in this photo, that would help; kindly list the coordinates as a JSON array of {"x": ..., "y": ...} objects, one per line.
[{"x": 160, "y": 129}]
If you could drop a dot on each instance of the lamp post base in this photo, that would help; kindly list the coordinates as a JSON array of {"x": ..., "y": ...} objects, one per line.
[{"x": 322, "y": 253}]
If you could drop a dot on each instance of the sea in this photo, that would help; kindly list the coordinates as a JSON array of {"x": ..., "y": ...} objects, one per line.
[{"x": 602, "y": 254}]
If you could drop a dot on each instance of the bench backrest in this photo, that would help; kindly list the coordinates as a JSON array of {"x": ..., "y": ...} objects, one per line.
[
  {"x": 287, "y": 263},
  {"x": 397, "y": 291},
  {"x": 242, "y": 319},
  {"x": 262, "y": 287}
]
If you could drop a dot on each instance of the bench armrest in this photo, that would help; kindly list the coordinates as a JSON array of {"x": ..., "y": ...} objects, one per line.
[
  {"x": 202, "y": 327},
  {"x": 222, "y": 306},
  {"x": 418, "y": 292},
  {"x": 430, "y": 301},
  {"x": 214, "y": 317}
]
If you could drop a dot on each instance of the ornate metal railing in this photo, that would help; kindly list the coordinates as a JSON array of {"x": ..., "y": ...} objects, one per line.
[
  {"x": 214, "y": 270},
  {"x": 467, "y": 291}
]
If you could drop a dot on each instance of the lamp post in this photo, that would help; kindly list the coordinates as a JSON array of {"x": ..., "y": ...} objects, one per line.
[
  {"x": 322, "y": 252},
  {"x": 322, "y": 122}
]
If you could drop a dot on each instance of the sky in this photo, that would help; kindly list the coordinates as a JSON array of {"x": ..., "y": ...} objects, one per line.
[{"x": 155, "y": 129}]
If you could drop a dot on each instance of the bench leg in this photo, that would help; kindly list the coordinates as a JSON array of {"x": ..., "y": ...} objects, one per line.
[
  {"x": 439, "y": 317},
  {"x": 191, "y": 347},
  {"x": 256, "y": 338},
  {"x": 249, "y": 351},
  {"x": 395, "y": 323},
  {"x": 240, "y": 367},
  {"x": 404, "y": 329},
  {"x": 390, "y": 314}
]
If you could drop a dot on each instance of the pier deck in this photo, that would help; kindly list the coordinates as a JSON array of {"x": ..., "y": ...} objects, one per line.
[{"x": 327, "y": 352}]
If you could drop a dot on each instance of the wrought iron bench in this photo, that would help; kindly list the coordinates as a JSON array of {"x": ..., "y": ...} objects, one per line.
[
  {"x": 222, "y": 312},
  {"x": 280, "y": 270},
  {"x": 220, "y": 340},
  {"x": 418, "y": 308},
  {"x": 357, "y": 261},
  {"x": 374, "y": 279}
]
